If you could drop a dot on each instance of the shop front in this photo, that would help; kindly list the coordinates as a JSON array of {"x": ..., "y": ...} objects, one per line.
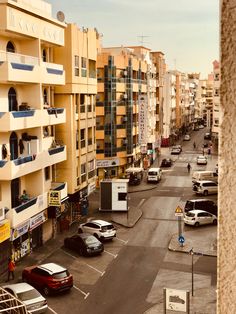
[
  {"x": 5, "y": 246},
  {"x": 20, "y": 238}
]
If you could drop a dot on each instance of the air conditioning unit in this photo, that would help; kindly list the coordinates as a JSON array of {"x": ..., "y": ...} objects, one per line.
[{"x": 125, "y": 96}]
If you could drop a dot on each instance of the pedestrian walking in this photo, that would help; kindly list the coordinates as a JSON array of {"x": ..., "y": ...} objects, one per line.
[
  {"x": 188, "y": 167},
  {"x": 194, "y": 145},
  {"x": 11, "y": 269}
]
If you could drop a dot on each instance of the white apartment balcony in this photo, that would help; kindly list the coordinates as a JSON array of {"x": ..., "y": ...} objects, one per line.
[
  {"x": 62, "y": 187},
  {"x": 26, "y": 210},
  {"x": 28, "y": 69},
  {"x": 49, "y": 155},
  {"x": 19, "y": 120}
]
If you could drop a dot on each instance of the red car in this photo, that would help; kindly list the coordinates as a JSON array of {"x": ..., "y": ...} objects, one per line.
[{"x": 49, "y": 277}]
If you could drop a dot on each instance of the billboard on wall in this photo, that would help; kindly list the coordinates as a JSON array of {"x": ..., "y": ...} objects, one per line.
[{"x": 142, "y": 102}]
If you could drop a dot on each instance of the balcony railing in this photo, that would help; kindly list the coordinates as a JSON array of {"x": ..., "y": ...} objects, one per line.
[
  {"x": 16, "y": 58},
  {"x": 83, "y": 178},
  {"x": 56, "y": 150},
  {"x": 25, "y": 205},
  {"x": 91, "y": 174},
  {"x": 23, "y": 160}
]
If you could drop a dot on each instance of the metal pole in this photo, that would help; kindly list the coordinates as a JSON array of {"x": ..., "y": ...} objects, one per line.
[
  {"x": 179, "y": 228},
  {"x": 192, "y": 253}
]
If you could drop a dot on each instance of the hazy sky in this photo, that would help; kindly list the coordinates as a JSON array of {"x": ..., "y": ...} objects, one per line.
[{"x": 186, "y": 31}]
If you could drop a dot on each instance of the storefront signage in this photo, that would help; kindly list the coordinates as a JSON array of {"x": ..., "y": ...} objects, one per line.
[
  {"x": 20, "y": 230},
  {"x": 54, "y": 198},
  {"x": 37, "y": 220},
  {"x": 5, "y": 231},
  {"x": 142, "y": 101},
  {"x": 107, "y": 163}
]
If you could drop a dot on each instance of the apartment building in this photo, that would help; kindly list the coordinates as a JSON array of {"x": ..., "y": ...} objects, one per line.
[
  {"x": 120, "y": 128},
  {"x": 78, "y": 95},
  {"x": 216, "y": 111},
  {"x": 200, "y": 102},
  {"x": 29, "y": 147},
  {"x": 159, "y": 61},
  {"x": 193, "y": 81},
  {"x": 208, "y": 110}
]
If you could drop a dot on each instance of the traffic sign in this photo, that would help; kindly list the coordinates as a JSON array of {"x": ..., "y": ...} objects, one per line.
[
  {"x": 179, "y": 211},
  {"x": 181, "y": 239}
]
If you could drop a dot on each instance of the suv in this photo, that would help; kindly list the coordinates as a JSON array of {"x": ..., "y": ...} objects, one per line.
[
  {"x": 101, "y": 229},
  {"x": 205, "y": 187},
  {"x": 198, "y": 217},
  {"x": 203, "y": 204},
  {"x": 49, "y": 277}
]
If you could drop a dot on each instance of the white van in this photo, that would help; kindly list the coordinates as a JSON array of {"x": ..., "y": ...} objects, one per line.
[
  {"x": 154, "y": 175},
  {"x": 204, "y": 176}
]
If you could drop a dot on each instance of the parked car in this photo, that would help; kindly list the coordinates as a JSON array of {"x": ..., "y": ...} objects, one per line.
[
  {"x": 207, "y": 136},
  {"x": 34, "y": 301},
  {"x": 201, "y": 160},
  {"x": 101, "y": 229},
  {"x": 201, "y": 126},
  {"x": 166, "y": 162},
  {"x": 205, "y": 187},
  {"x": 49, "y": 278},
  {"x": 175, "y": 150},
  {"x": 196, "y": 128},
  {"x": 154, "y": 175},
  {"x": 203, "y": 204},
  {"x": 198, "y": 217},
  {"x": 205, "y": 175},
  {"x": 85, "y": 244},
  {"x": 134, "y": 179},
  {"x": 187, "y": 137}
]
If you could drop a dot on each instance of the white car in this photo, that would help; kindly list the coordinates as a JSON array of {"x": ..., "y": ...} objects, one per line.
[
  {"x": 201, "y": 160},
  {"x": 205, "y": 187},
  {"x": 101, "y": 229},
  {"x": 198, "y": 217},
  {"x": 187, "y": 137},
  {"x": 34, "y": 301}
]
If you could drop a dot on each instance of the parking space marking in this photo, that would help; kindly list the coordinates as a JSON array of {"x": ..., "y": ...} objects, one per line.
[
  {"x": 114, "y": 255},
  {"x": 85, "y": 294},
  {"x": 69, "y": 254},
  {"x": 141, "y": 202},
  {"x": 50, "y": 309},
  {"x": 100, "y": 272},
  {"x": 122, "y": 240}
]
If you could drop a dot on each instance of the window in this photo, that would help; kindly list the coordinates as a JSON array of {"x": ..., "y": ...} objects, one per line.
[
  {"x": 76, "y": 65},
  {"x": 47, "y": 173},
  {"x": 83, "y": 67},
  {"x": 122, "y": 196},
  {"x": 10, "y": 47},
  {"x": 83, "y": 168}
]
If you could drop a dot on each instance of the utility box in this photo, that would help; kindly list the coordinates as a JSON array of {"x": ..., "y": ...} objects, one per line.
[{"x": 113, "y": 195}]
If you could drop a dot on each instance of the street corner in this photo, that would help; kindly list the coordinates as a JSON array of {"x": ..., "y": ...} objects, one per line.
[{"x": 127, "y": 219}]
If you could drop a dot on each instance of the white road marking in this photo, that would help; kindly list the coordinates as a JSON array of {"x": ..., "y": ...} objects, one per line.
[
  {"x": 100, "y": 272},
  {"x": 69, "y": 254},
  {"x": 50, "y": 309},
  {"x": 141, "y": 202},
  {"x": 122, "y": 240},
  {"x": 114, "y": 255},
  {"x": 85, "y": 294}
]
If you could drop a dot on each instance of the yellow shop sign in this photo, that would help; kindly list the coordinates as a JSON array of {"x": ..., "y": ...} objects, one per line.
[{"x": 4, "y": 230}]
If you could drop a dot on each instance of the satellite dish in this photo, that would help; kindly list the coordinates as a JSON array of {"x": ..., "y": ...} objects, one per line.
[{"x": 60, "y": 16}]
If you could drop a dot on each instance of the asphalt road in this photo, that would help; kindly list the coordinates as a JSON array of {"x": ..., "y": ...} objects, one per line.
[{"x": 128, "y": 278}]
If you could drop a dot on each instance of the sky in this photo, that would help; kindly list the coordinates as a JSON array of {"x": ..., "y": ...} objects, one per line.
[{"x": 186, "y": 31}]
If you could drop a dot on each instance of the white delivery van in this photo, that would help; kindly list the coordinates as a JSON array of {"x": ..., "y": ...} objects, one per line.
[
  {"x": 154, "y": 175},
  {"x": 204, "y": 176}
]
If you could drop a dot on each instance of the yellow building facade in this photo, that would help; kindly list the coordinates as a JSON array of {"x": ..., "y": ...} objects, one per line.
[
  {"x": 78, "y": 96},
  {"x": 29, "y": 146}
]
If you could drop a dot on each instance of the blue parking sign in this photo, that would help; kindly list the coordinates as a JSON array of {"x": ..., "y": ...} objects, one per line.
[{"x": 181, "y": 239}]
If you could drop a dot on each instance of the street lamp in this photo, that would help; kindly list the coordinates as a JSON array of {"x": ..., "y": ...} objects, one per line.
[{"x": 191, "y": 252}]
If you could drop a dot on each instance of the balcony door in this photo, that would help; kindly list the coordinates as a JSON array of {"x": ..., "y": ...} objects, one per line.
[
  {"x": 15, "y": 192},
  {"x": 12, "y": 101},
  {"x": 13, "y": 146}
]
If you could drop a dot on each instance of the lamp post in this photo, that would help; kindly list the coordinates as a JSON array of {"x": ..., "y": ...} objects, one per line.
[{"x": 191, "y": 252}]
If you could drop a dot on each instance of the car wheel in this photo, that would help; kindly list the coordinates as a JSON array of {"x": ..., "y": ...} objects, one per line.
[
  {"x": 196, "y": 224},
  {"x": 46, "y": 291},
  {"x": 80, "y": 230},
  {"x": 215, "y": 222}
]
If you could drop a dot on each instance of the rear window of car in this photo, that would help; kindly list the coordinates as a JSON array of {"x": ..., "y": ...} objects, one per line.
[
  {"x": 61, "y": 275},
  {"x": 108, "y": 227},
  {"x": 190, "y": 214},
  {"x": 152, "y": 173},
  {"x": 28, "y": 295}
]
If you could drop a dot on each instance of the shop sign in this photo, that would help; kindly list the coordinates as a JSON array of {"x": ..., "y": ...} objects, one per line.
[
  {"x": 25, "y": 248},
  {"x": 5, "y": 231},
  {"x": 37, "y": 220},
  {"x": 107, "y": 163},
  {"x": 20, "y": 230},
  {"x": 142, "y": 101},
  {"x": 91, "y": 187},
  {"x": 54, "y": 198}
]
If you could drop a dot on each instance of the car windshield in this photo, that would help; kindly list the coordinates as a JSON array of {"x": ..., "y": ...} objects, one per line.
[
  {"x": 91, "y": 240},
  {"x": 61, "y": 275},
  {"x": 28, "y": 295},
  {"x": 189, "y": 214},
  {"x": 152, "y": 173}
]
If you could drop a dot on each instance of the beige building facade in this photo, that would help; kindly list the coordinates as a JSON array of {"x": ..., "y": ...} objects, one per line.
[
  {"x": 29, "y": 146},
  {"x": 78, "y": 96}
]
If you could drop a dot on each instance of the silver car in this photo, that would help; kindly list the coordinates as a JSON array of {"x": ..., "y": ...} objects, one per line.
[
  {"x": 34, "y": 301},
  {"x": 198, "y": 217},
  {"x": 101, "y": 229}
]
